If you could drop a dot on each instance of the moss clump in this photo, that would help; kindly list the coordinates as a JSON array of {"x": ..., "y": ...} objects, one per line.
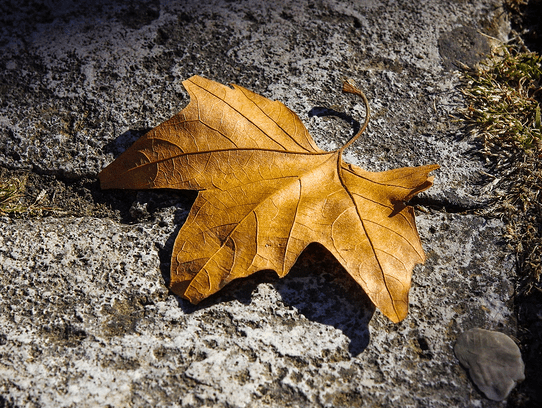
[
  {"x": 11, "y": 192},
  {"x": 504, "y": 95},
  {"x": 504, "y": 98},
  {"x": 16, "y": 202}
]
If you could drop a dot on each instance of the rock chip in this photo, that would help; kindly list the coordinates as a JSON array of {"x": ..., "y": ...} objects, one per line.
[{"x": 493, "y": 360}]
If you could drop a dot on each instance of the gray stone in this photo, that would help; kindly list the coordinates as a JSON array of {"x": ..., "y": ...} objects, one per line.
[
  {"x": 493, "y": 360},
  {"x": 86, "y": 320},
  {"x": 89, "y": 77},
  {"x": 85, "y": 315}
]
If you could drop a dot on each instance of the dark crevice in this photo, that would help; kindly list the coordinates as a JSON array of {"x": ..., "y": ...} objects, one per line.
[
  {"x": 434, "y": 204},
  {"x": 62, "y": 196},
  {"x": 83, "y": 197}
]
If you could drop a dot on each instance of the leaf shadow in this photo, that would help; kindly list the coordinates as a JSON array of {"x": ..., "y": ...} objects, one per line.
[
  {"x": 317, "y": 286},
  {"x": 322, "y": 290},
  {"x": 321, "y": 111},
  {"x": 124, "y": 141},
  {"x": 165, "y": 251}
]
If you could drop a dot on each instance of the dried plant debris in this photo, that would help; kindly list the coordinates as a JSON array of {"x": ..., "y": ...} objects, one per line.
[
  {"x": 11, "y": 192},
  {"x": 20, "y": 197},
  {"x": 15, "y": 201},
  {"x": 504, "y": 95}
]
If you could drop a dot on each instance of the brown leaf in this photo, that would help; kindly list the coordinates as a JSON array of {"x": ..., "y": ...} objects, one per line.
[{"x": 266, "y": 191}]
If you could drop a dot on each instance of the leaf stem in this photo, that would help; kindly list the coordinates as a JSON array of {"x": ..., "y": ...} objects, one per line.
[{"x": 350, "y": 87}]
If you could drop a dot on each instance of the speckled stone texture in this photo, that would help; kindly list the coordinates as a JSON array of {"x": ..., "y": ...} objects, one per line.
[{"x": 85, "y": 315}]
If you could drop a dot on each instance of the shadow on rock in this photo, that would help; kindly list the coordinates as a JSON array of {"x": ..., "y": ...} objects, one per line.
[
  {"x": 320, "y": 111},
  {"x": 139, "y": 205},
  {"x": 317, "y": 286},
  {"x": 124, "y": 141},
  {"x": 320, "y": 288}
]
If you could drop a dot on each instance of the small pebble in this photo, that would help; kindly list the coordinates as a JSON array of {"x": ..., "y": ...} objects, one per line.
[{"x": 493, "y": 360}]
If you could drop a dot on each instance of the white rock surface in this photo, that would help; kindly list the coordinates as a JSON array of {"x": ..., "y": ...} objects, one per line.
[{"x": 87, "y": 321}]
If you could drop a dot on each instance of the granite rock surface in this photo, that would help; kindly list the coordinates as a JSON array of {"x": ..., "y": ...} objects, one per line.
[{"x": 85, "y": 315}]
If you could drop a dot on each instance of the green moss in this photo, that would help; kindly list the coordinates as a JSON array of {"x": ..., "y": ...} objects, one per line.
[
  {"x": 11, "y": 192},
  {"x": 504, "y": 95}
]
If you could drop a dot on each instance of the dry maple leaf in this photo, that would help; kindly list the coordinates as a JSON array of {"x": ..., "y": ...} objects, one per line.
[{"x": 266, "y": 191}]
